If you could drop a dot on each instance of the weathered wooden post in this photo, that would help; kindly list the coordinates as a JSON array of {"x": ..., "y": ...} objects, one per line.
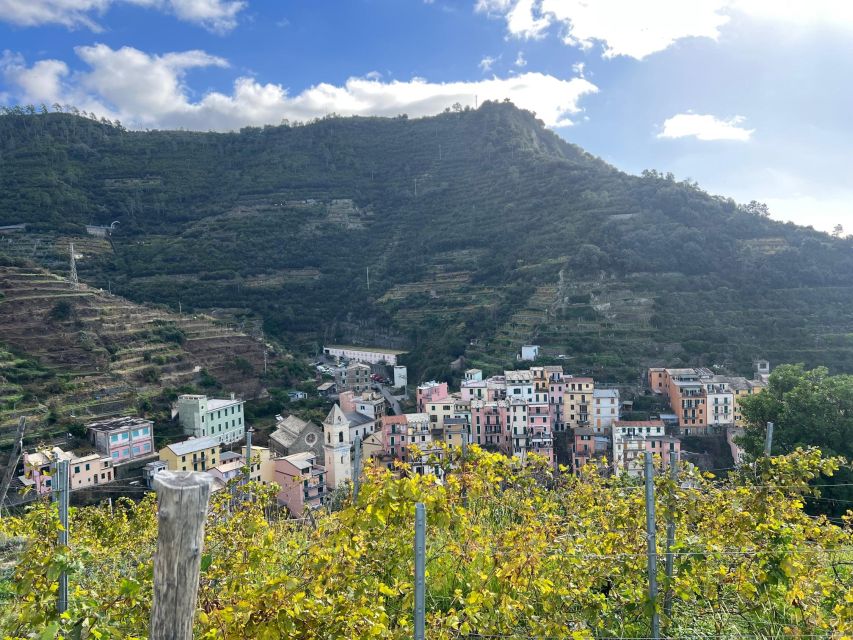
[{"x": 182, "y": 498}]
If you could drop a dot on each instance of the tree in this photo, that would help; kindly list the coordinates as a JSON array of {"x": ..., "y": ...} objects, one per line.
[
  {"x": 807, "y": 408},
  {"x": 757, "y": 209},
  {"x": 838, "y": 231}
]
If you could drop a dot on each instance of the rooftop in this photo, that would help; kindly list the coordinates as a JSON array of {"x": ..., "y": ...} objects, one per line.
[
  {"x": 193, "y": 444},
  {"x": 638, "y": 423},
  {"x": 350, "y": 347},
  {"x": 605, "y": 393},
  {"x": 216, "y": 403},
  {"x": 114, "y": 424},
  {"x": 302, "y": 460}
]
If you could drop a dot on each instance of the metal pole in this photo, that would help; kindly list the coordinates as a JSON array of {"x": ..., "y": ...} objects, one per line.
[
  {"x": 652, "y": 548},
  {"x": 465, "y": 443},
  {"x": 670, "y": 539},
  {"x": 249, "y": 433},
  {"x": 356, "y": 470},
  {"x": 420, "y": 569},
  {"x": 768, "y": 440},
  {"x": 60, "y": 490}
]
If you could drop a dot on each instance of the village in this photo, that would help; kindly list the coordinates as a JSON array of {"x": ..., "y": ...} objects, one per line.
[{"x": 520, "y": 413}]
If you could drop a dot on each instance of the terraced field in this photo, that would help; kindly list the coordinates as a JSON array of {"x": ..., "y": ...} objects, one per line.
[{"x": 86, "y": 354}]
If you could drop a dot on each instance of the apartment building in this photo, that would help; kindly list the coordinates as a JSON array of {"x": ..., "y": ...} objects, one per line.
[
  {"x": 633, "y": 438},
  {"x": 302, "y": 482},
  {"x": 605, "y": 408},
  {"x": 429, "y": 392},
  {"x": 194, "y": 454},
  {"x": 354, "y": 377},
  {"x": 577, "y": 401},
  {"x": 123, "y": 439},
  {"x": 218, "y": 418}
]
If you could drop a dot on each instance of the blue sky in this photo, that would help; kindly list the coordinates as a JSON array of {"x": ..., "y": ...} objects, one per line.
[{"x": 748, "y": 97}]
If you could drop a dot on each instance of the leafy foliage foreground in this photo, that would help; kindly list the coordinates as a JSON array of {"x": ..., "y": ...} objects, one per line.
[{"x": 511, "y": 553}]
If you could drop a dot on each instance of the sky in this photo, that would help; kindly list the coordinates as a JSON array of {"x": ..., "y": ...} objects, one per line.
[{"x": 749, "y": 98}]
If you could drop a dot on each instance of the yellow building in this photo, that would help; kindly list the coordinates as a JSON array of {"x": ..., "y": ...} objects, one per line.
[
  {"x": 744, "y": 388},
  {"x": 195, "y": 454},
  {"x": 577, "y": 400},
  {"x": 263, "y": 468}
]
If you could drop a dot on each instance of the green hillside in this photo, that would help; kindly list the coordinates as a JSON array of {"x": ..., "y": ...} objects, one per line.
[{"x": 481, "y": 229}]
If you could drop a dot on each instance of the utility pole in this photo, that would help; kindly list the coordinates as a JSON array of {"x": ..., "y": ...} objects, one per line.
[
  {"x": 768, "y": 440},
  {"x": 670, "y": 539},
  {"x": 356, "y": 470},
  {"x": 265, "y": 360},
  {"x": 420, "y": 569},
  {"x": 60, "y": 493},
  {"x": 249, "y": 433},
  {"x": 75, "y": 283},
  {"x": 416, "y": 187},
  {"x": 652, "y": 548},
  {"x": 368, "y": 278}
]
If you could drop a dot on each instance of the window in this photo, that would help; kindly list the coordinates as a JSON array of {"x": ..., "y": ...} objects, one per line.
[
  {"x": 340, "y": 436},
  {"x": 77, "y": 469},
  {"x": 87, "y": 466}
]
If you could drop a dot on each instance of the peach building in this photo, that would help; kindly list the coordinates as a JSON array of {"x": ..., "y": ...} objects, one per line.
[
  {"x": 302, "y": 482},
  {"x": 83, "y": 471}
]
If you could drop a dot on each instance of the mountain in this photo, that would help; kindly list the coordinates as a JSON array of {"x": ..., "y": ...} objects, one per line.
[{"x": 481, "y": 230}]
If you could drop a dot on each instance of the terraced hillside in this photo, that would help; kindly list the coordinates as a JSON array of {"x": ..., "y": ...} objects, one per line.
[{"x": 84, "y": 354}]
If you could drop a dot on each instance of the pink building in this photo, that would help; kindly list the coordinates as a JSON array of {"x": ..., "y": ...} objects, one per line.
[
  {"x": 429, "y": 392},
  {"x": 83, "y": 471},
  {"x": 123, "y": 439},
  {"x": 590, "y": 444},
  {"x": 302, "y": 482}
]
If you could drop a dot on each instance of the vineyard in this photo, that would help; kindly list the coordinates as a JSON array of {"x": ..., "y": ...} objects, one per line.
[{"x": 511, "y": 552}]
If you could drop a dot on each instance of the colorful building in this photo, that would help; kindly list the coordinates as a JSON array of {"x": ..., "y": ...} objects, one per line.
[
  {"x": 301, "y": 481},
  {"x": 194, "y": 454},
  {"x": 633, "y": 438},
  {"x": 429, "y": 392},
  {"x": 123, "y": 439},
  {"x": 605, "y": 407},
  {"x": 83, "y": 471},
  {"x": 203, "y": 417}
]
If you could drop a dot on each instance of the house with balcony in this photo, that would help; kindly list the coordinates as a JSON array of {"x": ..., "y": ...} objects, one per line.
[
  {"x": 123, "y": 439},
  {"x": 633, "y": 438},
  {"x": 302, "y": 482},
  {"x": 577, "y": 401},
  {"x": 194, "y": 454}
]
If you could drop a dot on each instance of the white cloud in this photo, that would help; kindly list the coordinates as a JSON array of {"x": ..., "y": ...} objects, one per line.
[
  {"x": 639, "y": 28},
  {"x": 705, "y": 127},
  {"x": 215, "y": 15},
  {"x": 520, "y": 60},
  {"x": 145, "y": 90},
  {"x": 487, "y": 62}
]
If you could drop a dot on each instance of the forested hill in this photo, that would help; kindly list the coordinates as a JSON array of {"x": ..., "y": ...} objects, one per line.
[{"x": 481, "y": 229}]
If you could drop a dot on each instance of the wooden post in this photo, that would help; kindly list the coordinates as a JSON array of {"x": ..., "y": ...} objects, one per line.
[
  {"x": 652, "y": 548},
  {"x": 182, "y": 498}
]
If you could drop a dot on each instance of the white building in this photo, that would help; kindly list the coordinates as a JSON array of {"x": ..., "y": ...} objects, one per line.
[
  {"x": 401, "y": 377},
  {"x": 529, "y": 352},
  {"x": 372, "y": 355},
  {"x": 720, "y": 399},
  {"x": 222, "y": 419},
  {"x": 519, "y": 384},
  {"x": 605, "y": 407}
]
